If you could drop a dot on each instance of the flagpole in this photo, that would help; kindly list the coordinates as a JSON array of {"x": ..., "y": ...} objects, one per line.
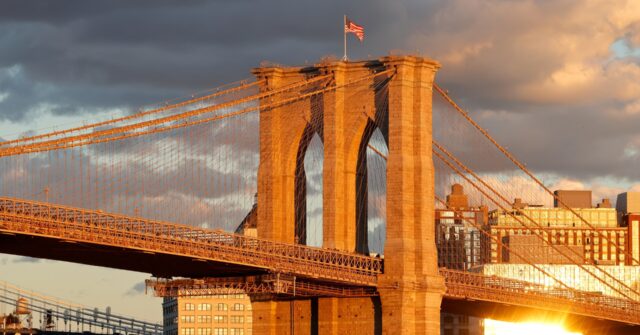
[{"x": 344, "y": 34}]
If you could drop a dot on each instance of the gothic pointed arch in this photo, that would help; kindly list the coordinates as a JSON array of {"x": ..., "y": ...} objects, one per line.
[
  {"x": 308, "y": 166},
  {"x": 371, "y": 190}
]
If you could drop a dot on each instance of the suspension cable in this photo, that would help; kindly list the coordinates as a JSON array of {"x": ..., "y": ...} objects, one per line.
[
  {"x": 495, "y": 239},
  {"x": 243, "y": 85},
  {"x": 24, "y": 149},
  {"x": 521, "y": 166},
  {"x": 74, "y": 142},
  {"x": 460, "y": 173}
]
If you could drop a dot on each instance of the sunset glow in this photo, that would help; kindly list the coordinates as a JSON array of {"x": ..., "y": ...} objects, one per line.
[{"x": 493, "y": 327}]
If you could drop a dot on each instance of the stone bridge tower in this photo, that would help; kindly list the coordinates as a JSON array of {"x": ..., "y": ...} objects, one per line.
[{"x": 410, "y": 288}]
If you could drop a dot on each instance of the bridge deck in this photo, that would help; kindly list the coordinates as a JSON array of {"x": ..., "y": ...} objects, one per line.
[
  {"x": 19, "y": 218},
  {"x": 499, "y": 290},
  {"x": 469, "y": 288},
  {"x": 95, "y": 227}
]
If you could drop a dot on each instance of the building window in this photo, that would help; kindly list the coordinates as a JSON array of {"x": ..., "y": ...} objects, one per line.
[
  {"x": 222, "y": 307},
  {"x": 238, "y": 307},
  {"x": 237, "y": 319},
  {"x": 204, "y": 307},
  {"x": 204, "y": 331},
  {"x": 189, "y": 307},
  {"x": 187, "y": 319},
  {"x": 187, "y": 331},
  {"x": 237, "y": 331},
  {"x": 220, "y": 319},
  {"x": 220, "y": 331},
  {"x": 204, "y": 318}
]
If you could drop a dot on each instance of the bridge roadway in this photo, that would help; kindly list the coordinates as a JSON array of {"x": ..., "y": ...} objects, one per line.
[
  {"x": 130, "y": 241},
  {"x": 166, "y": 250}
]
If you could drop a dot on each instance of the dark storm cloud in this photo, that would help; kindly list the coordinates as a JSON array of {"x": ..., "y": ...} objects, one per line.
[
  {"x": 572, "y": 141},
  {"x": 532, "y": 72},
  {"x": 75, "y": 55},
  {"x": 583, "y": 143}
]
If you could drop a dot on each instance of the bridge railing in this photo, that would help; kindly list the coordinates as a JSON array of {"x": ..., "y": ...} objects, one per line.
[
  {"x": 270, "y": 285},
  {"x": 116, "y": 230},
  {"x": 468, "y": 285}
]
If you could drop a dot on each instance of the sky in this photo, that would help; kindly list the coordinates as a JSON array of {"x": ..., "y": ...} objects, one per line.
[{"x": 559, "y": 81}]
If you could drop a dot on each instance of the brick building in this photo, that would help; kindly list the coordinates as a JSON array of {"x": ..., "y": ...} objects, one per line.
[{"x": 223, "y": 314}]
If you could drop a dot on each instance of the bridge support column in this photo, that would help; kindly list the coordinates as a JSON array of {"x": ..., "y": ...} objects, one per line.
[
  {"x": 345, "y": 117},
  {"x": 340, "y": 117},
  {"x": 342, "y": 316},
  {"x": 411, "y": 289},
  {"x": 264, "y": 317},
  {"x": 275, "y": 317},
  {"x": 428, "y": 307},
  {"x": 321, "y": 316},
  {"x": 328, "y": 316},
  {"x": 281, "y": 133}
]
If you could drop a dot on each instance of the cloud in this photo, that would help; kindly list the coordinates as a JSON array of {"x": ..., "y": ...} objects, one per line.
[
  {"x": 544, "y": 77},
  {"x": 532, "y": 72},
  {"x": 137, "y": 289},
  {"x": 82, "y": 57},
  {"x": 26, "y": 260}
]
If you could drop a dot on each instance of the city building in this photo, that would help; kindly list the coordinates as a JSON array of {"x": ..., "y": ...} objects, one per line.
[
  {"x": 628, "y": 202},
  {"x": 494, "y": 249},
  {"x": 458, "y": 232},
  {"x": 572, "y": 199},
  {"x": 227, "y": 313},
  {"x": 222, "y": 314},
  {"x": 459, "y": 241},
  {"x": 564, "y": 228},
  {"x": 628, "y": 206}
]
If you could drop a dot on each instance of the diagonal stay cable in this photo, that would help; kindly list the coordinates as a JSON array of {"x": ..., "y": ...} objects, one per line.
[
  {"x": 522, "y": 167},
  {"x": 499, "y": 195},
  {"x": 379, "y": 153},
  {"x": 492, "y": 199}
]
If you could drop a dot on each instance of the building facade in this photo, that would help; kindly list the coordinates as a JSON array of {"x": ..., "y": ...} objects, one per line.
[
  {"x": 459, "y": 240},
  {"x": 611, "y": 240},
  {"x": 608, "y": 243},
  {"x": 223, "y": 314}
]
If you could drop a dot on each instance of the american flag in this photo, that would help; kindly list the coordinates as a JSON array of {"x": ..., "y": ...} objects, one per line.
[{"x": 350, "y": 27}]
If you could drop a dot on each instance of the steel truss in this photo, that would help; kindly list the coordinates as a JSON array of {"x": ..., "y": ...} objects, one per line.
[
  {"x": 274, "y": 284},
  {"x": 96, "y": 227}
]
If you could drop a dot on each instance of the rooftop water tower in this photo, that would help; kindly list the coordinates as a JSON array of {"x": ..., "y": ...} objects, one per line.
[
  {"x": 22, "y": 306},
  {"x": 23, "y": 313}
]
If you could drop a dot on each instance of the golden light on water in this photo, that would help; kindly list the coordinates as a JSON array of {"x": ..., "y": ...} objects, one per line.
[{"x": 493, "y": 327}]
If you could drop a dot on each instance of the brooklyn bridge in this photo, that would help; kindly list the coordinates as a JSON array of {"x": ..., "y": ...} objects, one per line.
[{"x": 321, "y": 191}]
